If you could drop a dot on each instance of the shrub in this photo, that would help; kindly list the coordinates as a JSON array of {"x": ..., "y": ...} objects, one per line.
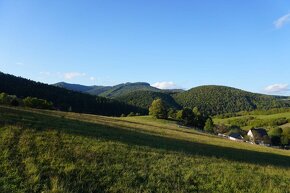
[{"x": 37, "y": 103}]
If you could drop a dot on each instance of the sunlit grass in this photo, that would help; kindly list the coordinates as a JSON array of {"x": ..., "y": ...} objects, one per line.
[{"x": 49, "y": 151}]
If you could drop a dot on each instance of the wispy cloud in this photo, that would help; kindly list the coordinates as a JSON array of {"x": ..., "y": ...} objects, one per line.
[
  {"x": 279, "y": 23},
  {"x": 277, "y": 88},
  {"x": 165, "y": 85},
  {"x": 19, "y": 63},
  {"x": 72, "y": 75},
  {"x": 45, "y": 73}
]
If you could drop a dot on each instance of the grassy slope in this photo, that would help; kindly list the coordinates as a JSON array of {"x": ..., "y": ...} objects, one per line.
[
  {"x": 67, "y": 152},
  {"x": 262, "y": 117}
]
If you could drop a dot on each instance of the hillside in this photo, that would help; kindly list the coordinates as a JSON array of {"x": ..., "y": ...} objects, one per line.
[
  {"x": 50, "y": 151},
  {"x": 64, "y": 99},
  {"x": 220, "y": 99},
  {"x": 144, "y": 99},
  {"x": 265, "y": 119},
  {"x": 111, "y": 91}
]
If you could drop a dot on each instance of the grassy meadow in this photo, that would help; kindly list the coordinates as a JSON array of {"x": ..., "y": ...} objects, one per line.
[
  {"x": 52, "y": 151},
  {"x": 256, "y": 120}
]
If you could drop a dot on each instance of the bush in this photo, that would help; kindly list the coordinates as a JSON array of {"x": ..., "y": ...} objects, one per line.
[
  {"x": 6, "y": 99},
  {"x": 37, "y": 103}
]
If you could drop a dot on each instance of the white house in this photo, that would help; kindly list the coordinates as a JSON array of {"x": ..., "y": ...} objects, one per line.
[{"x": 259, "y": 136}]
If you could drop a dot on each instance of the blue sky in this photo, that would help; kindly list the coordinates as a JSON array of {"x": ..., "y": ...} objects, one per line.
[{"x": 168, "y": 43}]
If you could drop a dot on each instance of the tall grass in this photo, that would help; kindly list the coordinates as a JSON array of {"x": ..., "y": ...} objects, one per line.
[{"x": 47, "y": 151}]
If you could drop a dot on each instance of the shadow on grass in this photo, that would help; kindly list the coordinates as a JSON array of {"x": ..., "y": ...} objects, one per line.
[{"x": 132, "y": 137}]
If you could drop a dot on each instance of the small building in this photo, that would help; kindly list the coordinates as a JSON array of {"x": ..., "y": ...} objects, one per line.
[
  {"x": 222, "y": 135},
  {"x": 236, "y": 137},
  {"x": 259, "y": 136}
]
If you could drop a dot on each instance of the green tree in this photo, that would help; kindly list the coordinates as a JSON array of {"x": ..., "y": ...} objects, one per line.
[
  {"x": 179, "y": 115},
  {"x": 172, "y": 113},
  {"x": 187, "y": 117},
  {"x": 196, "y": 112},
  {"x": 12, "y": 100},
  {"x": 209, "y": 126},
  {"x": 275, "y": 135},
  {"x": 284, "y": 140},
  {"x": 3, "y": 98},
  {"x": 158, "y": 109}
]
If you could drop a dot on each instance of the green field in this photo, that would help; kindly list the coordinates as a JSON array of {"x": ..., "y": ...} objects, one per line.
[
  {"x": 254, "y": 117},
  {"x": 50, "y": 151}
]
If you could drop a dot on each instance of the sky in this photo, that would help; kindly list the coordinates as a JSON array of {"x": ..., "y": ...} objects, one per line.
[{"x": 167, "y": 43}]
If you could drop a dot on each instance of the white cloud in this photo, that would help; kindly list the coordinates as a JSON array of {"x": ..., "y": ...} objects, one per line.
[
  {"x": 277, "y": 88},
  {"x": 279, "y": 23},
  {"x": 165, "y": 85},
  {"x": 72, "y": 75},
  {"x": 45, "y": 73},
  {"x": 92, "y": 78}
]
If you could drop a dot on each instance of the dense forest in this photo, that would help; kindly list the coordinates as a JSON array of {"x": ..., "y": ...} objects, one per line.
[
  {"x": 144, "y": 99},
  {"x": 220, "y": 99},
  {"x": 64, "y": 99}
]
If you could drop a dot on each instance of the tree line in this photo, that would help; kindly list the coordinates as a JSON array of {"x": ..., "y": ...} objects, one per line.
[
  {"x": 31, "y": 102},
  {"x": 186, "y": 116}
]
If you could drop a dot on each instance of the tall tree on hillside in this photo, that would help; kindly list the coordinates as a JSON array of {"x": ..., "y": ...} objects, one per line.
[
  {"x": 209, "y": 125},
  {"x": 187, "y": 117},
  {"x": 158, "y": 109}
]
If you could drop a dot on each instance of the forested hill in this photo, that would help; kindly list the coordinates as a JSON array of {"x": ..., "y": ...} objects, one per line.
[
  {"x": 111, "y": 91},
  {"x": 93, "y": 90},
  {"x": 123, "y": 89},
  {"x": 64, "y": 99},
  {"x": 220, "y": 99},
  {"x": 74, "y": 87},
  {"x": 144, "y": 99}
]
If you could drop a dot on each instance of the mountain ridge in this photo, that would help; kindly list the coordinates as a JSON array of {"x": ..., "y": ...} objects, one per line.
[{"x": 137, "y": 97}]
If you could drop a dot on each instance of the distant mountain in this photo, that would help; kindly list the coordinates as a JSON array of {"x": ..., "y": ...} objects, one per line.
[
  {"x": 110, "y": 91},
  {"x": 144, "y": 99},
  {"x": 220, "y": 99},
  {"x": 209, "y": 99},
  {"x": 64, "y": 99},
  {"x": 93, "y": 90},
  {"x": 74, "y": 87},
  {"x": 127, "y": 88}
]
